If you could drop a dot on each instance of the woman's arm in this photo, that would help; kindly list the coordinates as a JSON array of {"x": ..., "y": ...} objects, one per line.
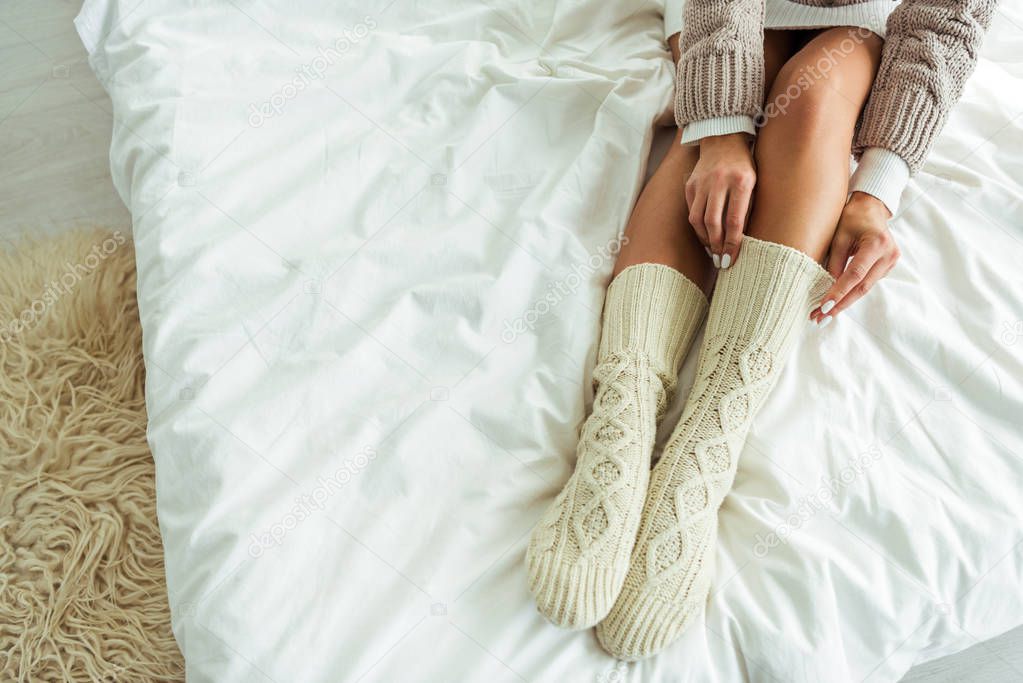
[
  {"x": 721, "y": 69},
  {"x": 719, "y": 88},
  {"x": 930, "y": 51}
]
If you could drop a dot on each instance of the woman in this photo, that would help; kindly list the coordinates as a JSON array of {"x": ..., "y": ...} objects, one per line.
[{"x": 747, "y": 225}]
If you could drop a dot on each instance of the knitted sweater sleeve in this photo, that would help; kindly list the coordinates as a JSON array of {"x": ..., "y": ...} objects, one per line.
[
  {"x": 930, "y": 51},
  {"x": 721, "y": 68}
]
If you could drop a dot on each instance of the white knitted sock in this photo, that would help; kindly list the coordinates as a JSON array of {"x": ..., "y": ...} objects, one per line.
[
  {"x": 758, "y": 309},
  {"x": 579, "y": 552}
]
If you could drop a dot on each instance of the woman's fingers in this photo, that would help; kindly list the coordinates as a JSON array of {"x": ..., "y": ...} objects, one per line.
[
  {"x": 717, "y": 213},
  {"x": 696, "y": 200},
  {"x": 842, "y": 247},
  {"x": 854, "y": 281},
  {"x": 862, "y": 252},
  {"x": 735, "y": 219},
  {"x": 880, "y": 268},
  {"x": 712, "y": 220},
  {"x": 840, "y": 253}
]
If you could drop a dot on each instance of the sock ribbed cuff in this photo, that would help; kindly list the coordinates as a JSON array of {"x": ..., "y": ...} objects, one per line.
[
  {"x": 653, "y": 309},
  {"x": 768, "y": 291}
]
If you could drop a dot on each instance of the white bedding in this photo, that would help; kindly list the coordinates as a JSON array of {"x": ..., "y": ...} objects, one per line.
[{"x": 370, "y": 309}]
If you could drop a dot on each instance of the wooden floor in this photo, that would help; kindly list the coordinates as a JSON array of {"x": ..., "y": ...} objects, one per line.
[{"x": 55, "y": 122}]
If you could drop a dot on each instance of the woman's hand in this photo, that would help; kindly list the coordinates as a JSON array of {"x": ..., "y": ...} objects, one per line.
[
  {"x": 862, "y": 235},
  {"x": 718, "y": 195}
]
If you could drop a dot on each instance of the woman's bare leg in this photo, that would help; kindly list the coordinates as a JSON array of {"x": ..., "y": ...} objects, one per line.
[
  {"x": 802, "y": 151},
  {"x": 659, "y": 229}
]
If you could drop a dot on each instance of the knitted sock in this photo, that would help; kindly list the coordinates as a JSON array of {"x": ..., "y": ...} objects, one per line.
[
  {"x": 579, "y": 552},
  {"x": 758, "y": 309}
]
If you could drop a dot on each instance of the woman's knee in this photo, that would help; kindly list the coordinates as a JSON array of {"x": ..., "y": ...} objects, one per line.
[{"x": 830, "y": 75}]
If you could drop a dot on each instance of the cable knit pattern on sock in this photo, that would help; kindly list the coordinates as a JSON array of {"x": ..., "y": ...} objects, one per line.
[
  {"x": 579, "y": 552},
  {"x": 758, "y": 309}
]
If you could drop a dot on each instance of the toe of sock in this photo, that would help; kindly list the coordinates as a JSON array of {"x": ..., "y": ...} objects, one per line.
[
  {"x": 640, "y": 625},
  {"x": 573, "y": 596}
]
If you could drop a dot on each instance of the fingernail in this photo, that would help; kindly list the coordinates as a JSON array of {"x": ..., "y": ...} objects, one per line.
[
  {"x": 716, "y": 259},
  {"x": 726, "y": 261},
  {"x": 827, "y": 306},
  {"x": 825, "y": 321}
]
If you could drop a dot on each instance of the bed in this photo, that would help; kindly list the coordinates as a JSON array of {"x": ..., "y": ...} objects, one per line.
[{"x": 372, "y": 242}]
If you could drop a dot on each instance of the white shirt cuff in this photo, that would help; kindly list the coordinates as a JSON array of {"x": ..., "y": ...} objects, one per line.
[
  {"x": 719, "y": 125},
  {"x": 883, "y": 174}
]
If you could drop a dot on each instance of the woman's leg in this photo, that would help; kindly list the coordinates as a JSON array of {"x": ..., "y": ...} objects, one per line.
[
  {"x": 802, "y": 151},
  {"x": 758, "y": 311},
  {"x": 578, "y": 554},
  {"x": 659, "y": 229}
]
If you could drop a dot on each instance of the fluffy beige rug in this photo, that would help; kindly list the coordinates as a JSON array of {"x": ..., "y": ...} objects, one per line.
[{"x": 82, "y": 592}]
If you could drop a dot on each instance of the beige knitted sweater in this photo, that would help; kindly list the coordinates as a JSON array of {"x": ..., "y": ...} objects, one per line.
[{"x": 930, "y": 50}]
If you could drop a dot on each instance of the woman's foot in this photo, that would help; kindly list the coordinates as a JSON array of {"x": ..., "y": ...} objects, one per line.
[
  {"x": 756, "y": 314},
  {"x": 578, "y": 555}
]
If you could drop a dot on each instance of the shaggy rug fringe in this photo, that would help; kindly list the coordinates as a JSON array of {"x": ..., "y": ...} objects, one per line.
[{"x": 82, "y": 591}]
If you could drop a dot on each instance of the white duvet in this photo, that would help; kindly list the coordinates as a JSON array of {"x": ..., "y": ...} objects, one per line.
[{"x": 373, "y": 240}]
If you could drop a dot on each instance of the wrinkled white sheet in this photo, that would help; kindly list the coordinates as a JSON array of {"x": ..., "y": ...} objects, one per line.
[{"x": 373, "y": 240}]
